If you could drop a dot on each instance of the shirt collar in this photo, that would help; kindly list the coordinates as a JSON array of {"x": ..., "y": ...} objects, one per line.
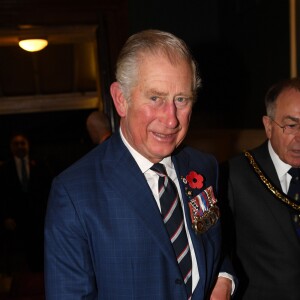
[
  {"x": 143, "y": 163},
  {"x": 280, "y": 166},
  {"x": 26, "y": 158}
]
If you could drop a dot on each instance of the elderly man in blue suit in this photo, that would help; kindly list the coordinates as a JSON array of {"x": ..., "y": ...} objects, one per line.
[{"x": 108, "y": 233}]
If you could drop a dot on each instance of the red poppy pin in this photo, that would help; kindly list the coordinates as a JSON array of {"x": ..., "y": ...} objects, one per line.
[{"x": 194, "y": 181}]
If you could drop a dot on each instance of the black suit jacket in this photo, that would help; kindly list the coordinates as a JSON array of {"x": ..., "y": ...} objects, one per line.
[
  {"x": 27, "y": 209},
  {"x": 267, "y": 249},
  {"x": 20, "y": 205}
]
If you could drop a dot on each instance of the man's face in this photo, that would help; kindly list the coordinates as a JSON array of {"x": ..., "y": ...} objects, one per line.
[
  {"x": 19, "y": 146},
  {"x": 156, "y": 119},
  {"x": 287, "y": 112}
]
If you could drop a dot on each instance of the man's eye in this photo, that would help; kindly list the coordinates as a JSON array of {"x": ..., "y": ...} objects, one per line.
[
  {"x": 291, "y": 125},
  {"x": 181, "y": 99},
  {"x": 154, "y": 98}
]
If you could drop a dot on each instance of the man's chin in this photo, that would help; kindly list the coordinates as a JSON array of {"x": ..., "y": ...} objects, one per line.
[{"x": 163, "y": 152}]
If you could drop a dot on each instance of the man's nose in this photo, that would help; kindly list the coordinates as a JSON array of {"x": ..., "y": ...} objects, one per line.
[{"x": 169, "y": 115}]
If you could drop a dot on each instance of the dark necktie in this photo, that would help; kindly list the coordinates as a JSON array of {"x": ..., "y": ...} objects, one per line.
[
  {"x": 24, "y": 179},
  {"x": 171, "y": 211},
  {"x": 294, "y": 193}
]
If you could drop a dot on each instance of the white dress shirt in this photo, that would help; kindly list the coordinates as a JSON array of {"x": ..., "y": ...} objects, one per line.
[{"x": 281, "y": 169}]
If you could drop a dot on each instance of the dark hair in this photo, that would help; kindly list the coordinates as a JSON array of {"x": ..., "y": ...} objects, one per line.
[
  {"x": 18, "y": 133},
  {"x": 276, "y": 89}
]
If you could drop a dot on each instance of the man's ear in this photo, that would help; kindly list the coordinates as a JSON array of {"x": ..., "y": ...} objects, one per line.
[
  {"x": 268, "y": 126},
  {"x": 119, "y": 100}
]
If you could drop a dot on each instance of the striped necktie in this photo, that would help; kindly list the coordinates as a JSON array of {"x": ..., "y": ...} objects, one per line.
[
  {"x": 294, "y": 193},
  {"x": 172, "y": 215}
]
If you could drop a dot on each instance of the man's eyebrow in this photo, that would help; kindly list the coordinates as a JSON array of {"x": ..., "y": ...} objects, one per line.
[
  {"x": 156, "y": 92},
  {"x": 295, "y": 119},
  {"x": 164, "y": 94}
]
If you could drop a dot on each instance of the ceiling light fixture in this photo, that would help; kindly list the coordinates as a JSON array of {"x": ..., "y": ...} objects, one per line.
[{"x": 33, "y": 45}]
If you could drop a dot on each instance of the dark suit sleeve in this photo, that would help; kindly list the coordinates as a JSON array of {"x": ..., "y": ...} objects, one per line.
[{"x": 68, "y": 265}]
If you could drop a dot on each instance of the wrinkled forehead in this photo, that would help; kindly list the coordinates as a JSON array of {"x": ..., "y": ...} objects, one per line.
[
  {"x": 171, "y": 55},
  {"x": 287, "y": 103}
]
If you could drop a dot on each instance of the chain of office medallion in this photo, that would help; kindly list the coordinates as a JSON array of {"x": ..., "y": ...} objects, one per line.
[{"x": 279, "y": 195}]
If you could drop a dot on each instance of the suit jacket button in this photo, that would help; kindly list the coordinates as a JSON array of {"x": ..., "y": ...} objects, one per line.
[{"x": 179, "y": 281}]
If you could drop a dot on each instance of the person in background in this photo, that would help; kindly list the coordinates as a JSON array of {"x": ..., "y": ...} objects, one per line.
[
  {"x": 24, "y": 190},
  {"x": 137, "y": 218},
  {"x": 98, "y": 127},
  {"x": 264, "y": 207}
]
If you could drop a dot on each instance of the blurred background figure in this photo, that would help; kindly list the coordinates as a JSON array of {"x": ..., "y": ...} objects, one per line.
[
  {"x": 24, "y": 188},
  {"x": 98, "y": 127}
]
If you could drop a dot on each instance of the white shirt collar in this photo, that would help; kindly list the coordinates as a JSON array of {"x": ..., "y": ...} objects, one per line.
[
  {"x": 18, "y": 159},
  {"x": 280, "y": 166},
  {"x": 143, "y": 163}
]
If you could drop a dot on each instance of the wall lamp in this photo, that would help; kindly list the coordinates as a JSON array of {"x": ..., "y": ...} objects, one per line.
[{"x": 33, "y": 45}]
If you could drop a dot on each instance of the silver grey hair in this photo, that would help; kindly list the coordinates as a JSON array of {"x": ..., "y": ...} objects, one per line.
[{"x": 153, "y": 42}]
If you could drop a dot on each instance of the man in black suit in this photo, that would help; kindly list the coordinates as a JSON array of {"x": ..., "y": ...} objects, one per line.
[
  {"x": 24, "y": 187},
  {"x": 266, "y": 219}
]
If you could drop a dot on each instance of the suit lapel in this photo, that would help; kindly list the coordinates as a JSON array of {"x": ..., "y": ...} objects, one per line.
[
  {"x": 14, "y": 173},
  {"x": 277, "y": 209},
  {"x": 133, "y": 188}
]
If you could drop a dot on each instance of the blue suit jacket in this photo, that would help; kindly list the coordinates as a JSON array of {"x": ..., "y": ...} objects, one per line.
[{"x": 104, "y": 235}]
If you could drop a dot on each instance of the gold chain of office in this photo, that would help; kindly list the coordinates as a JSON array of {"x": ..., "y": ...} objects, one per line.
[{"x": 267, "y": 183}]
